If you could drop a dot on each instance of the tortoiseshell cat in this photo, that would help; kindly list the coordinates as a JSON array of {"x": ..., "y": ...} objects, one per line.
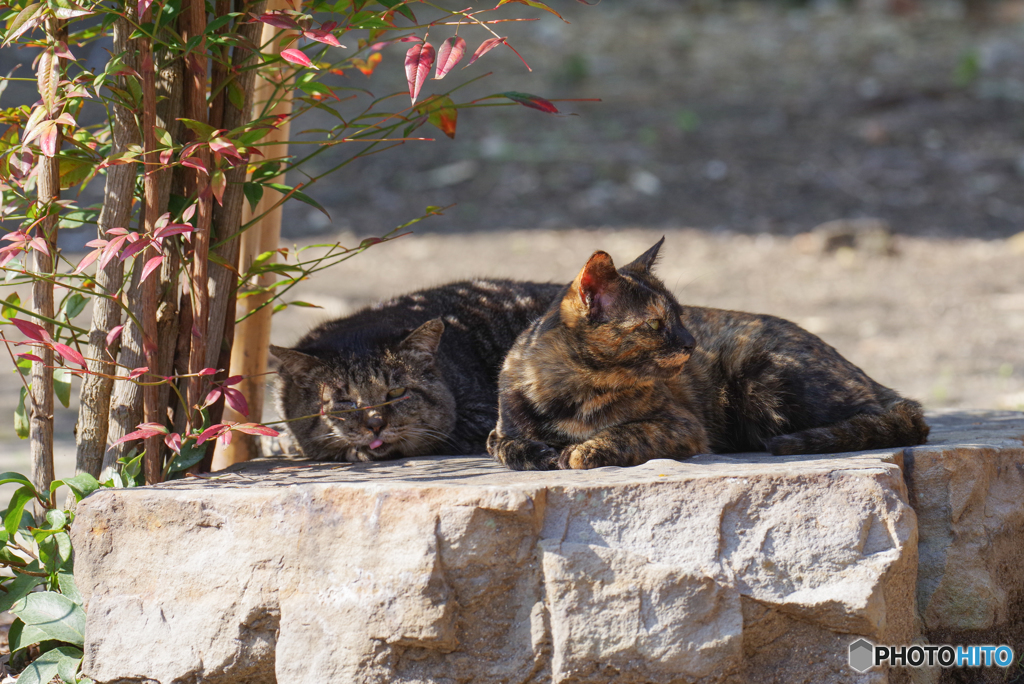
[
  {"x": 413, "y": 376},
  {"x": 617, "y": 372}
]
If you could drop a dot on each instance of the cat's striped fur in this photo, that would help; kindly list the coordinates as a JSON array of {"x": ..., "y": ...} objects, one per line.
[
  {"x": 617, "y": 372},
  {"x": 412, "y": 376}
]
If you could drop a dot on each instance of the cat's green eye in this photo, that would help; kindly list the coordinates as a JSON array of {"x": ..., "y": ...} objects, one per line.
[
  {"x": 396, "y": 392},
  {"x": 655, "y": 324}
]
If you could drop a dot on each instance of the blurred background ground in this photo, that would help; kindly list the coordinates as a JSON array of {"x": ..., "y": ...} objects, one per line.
[{"x": 735, "y": 129}]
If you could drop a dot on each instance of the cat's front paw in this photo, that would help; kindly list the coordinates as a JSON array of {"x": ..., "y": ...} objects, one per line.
[
  {"x": 589, "y": 454},
  {"x": 521, "y": 454}
]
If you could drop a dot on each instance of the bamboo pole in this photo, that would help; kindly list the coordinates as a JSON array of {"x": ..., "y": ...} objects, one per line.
[{"x": 249, "y": 354}]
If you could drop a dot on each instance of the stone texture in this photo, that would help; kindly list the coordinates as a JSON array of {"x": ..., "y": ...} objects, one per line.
[
  {"x": 738, "y": 569},
  {"x": 967, "y": 487}
]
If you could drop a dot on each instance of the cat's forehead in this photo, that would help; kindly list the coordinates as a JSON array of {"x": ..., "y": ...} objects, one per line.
[{"x": 644, "y": 291}]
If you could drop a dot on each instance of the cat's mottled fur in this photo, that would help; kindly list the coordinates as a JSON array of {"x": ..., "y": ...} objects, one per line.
[
  {"x": 617, "y": 372},
  {"x": 416, "y": 375}
]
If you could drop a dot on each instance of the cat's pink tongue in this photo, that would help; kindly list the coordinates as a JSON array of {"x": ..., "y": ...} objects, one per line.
[{"x": 376, "y": 443}]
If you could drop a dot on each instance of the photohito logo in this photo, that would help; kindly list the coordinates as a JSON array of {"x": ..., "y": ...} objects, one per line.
[{"x": 864, "y": 655}]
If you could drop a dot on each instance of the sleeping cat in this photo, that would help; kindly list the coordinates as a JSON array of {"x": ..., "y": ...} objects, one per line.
[
  {"x": 413, "y": 376},
  {"x": 617, "y": 372}
]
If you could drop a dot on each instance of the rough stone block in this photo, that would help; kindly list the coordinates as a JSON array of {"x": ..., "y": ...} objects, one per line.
[{"x": 717, "y": 569}]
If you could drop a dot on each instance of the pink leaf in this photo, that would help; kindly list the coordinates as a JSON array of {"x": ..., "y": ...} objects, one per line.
[
  {"x": 254, "y": 429},
  {"x": 151, "y": 266},
  {"x": 143, "y": 7},
  {"x": 117, "y": 231},
  {"x": 236, "y": 400},
  {"x": 218, "y": 183},
  {"x": 137, "y": 372},
  {"x": 114, "y": 333},
  {"x": 69, "y": 354},
  {"x": 418, "y": 61},
  {"x": 211, "y": 432},
  {"x": 173, "y": 442},
  {"x": 278, "y": 20},
  {"x": 224, "y": 147},
  {"x": 165, "y": 156},
  {"x": 145, "y": 430},
  {"x": 297, "y": 57},
  {"x": 173, "y": 229},
  {"x": 48, "y": 139},
  {"x": 39, "y": 244},
  {"x": 30, "y": 357},
  {"x": 233, "y": 380},
  {"x": 225, "y": 437},
  {"x": 322, "y": 36},
  {"x": 134, "y": 248},
  {"x": 486, "y": 47},
  {"x": 208, "y": 371},
  {"x": 86, "y": 260},
  {"x": 32, "y": 330},
  {"x": 194, "y": 163},
  {"x": 212, "y": 397},
  {"x": 189, "y": 212},
  {"x": 449, "y": 54}
]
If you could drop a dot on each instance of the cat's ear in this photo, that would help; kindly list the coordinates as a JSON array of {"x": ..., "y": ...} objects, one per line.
[
  {"x": 297, "y": 365},
  {"x": 593, "y": 287},
  {"x": 424, "y": 339},
  {"x": 646, "y": 261}
]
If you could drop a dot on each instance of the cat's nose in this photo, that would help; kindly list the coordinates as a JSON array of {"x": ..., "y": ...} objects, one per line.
[
  {"x": 685, "y": 340},
  {"x": 375, "y": 423}
]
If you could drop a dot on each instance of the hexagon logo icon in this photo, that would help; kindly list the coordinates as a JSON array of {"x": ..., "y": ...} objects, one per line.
[{"x": 861, "y": 655}]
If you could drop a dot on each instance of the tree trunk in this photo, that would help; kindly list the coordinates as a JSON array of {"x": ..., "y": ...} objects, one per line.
[
  {"x": 250, "y": 352},
  {"x": 94, "y": 405}
]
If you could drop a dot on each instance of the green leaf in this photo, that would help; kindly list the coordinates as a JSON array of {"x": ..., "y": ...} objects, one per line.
[
  {"x": 82, "y": 485},
  {"x": 21, "y": 427},
  {"x": 12, "y": 518},
  {"x": 56, "y": 616},
  {"x": 189, "y": 456},
  {"x": 56, "y": 519},
  {"x": 55, "y": 662},
  {"x": 253, "y": 193},
  {"x": 403, "y": 9},
  {"x": 7, "y": 478},
  {"x": 22, "y": 635},
  {"x": 54, "y": 548},
  {"x": 203, "y": 131},
  {"x": 7, "y": 312},
  {"x": 68, "y": 665},
  {"x": 21, "y": 21},
  {"x": 62, "y": 385},
  {"x": 132, "y": 468},
  {"x": 74, "y": 305},
  {"x": 306, "y": 304},
  {"x": 19, "y": 587},
  {"x": 236, "y": 95},
  {"x": 266, "y": 170},
  {"x": 299, "y": 195},
  {"x": 68, "y": 586}
]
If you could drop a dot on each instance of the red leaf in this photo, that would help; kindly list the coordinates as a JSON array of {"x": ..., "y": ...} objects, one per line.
[
  {"x": 224, "y": 147},
  {"x": 173, "y": 442},
  {"x": 195, "y": 163},
  {"x": 212, "y": 397},
  {"x": 39, "y": 244},
  {"x": 114, "y": 333},
  {"x": 233, "y": 380},
  {"x": 210, "y": 432},
  {"x": 322, "y": 36},
  {"x": 165, "y": 156},
  {"x": 207, "y": 371},
  {"x": 69, "y": 354},
  {"x": 278, "y": 20},
  {"x": 173, "y": 229},
  {"x": 135, "y": 247},
  {"x": 217, "y": 184},
  {"x": 418, "y": 61},
  {"x": 48, "y": 139},
  {"x": 531, "y": 101},
  {"x": 486, "y": 47},
  {"x": 143, "y": 6},
  {"x": 254, "y": 429},
  {"x": 150, "y": 266},
  {"x": 32, "y": 330},
  {"x": 30, "y": 357},
  {"x": 236, "y": 400},
  {"x": 86, "y": 260},
  {"x": 449, "y": 54},
  {"x": 137, "y": 372},
  {"x": 297, "y": 57},
  {"x": 145, "y": 430}
]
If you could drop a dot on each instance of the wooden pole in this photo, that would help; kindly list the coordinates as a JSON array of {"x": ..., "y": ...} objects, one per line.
[{"x": 249, "y": 354}]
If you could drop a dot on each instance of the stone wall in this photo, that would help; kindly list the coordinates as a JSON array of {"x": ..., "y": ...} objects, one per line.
[{"x": 742, "y": 568}]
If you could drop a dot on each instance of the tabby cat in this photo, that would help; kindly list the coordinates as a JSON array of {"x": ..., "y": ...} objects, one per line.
[
  {"x": 617, "y": 372},
  {"x": 413, "y": 376}
]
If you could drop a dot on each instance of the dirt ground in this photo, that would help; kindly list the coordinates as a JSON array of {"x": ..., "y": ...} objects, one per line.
[{"x": 734, "y": 132}]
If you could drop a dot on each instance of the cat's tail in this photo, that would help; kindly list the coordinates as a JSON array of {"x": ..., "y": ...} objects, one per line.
[{"x": 900, "y": 424}]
